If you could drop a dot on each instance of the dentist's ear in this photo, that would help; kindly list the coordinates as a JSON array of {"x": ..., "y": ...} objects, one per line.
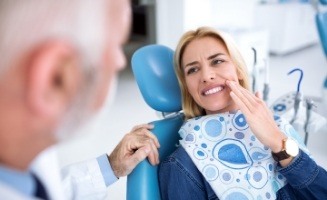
[{"x": 53, "y": 77}]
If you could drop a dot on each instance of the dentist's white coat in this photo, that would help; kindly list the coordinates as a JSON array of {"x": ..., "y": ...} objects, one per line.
[{"x": 80, "y": 181}]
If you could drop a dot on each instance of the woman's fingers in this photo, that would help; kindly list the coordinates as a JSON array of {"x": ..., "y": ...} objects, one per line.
[
  {"x": 259, "y": 95},
  {"x": 240, "y": 103},
  {"x": 252, "y": 102},
  {"x": 257, "y": 114},
  {"x": 241, "y": 95}
]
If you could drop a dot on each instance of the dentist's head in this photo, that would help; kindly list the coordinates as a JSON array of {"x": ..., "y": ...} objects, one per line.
[{"x": 58, "y": 61}]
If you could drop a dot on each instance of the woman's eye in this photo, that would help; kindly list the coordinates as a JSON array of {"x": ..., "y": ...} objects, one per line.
[
  {"x": 191, "y": 70},
  {"x": 217, "y": 61}
]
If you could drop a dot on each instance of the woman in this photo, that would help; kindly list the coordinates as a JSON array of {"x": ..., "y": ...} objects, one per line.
[{"x": 249, "y": 154}]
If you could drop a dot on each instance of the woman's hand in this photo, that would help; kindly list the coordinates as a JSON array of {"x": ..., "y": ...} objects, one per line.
[{"x": 258, "y": 116}]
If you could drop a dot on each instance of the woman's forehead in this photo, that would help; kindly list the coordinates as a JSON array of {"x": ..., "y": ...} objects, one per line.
[{"x": 203, "y": 47}]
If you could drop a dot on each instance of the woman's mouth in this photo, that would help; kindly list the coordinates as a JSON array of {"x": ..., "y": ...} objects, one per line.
[{"x": 212, "y": 91}]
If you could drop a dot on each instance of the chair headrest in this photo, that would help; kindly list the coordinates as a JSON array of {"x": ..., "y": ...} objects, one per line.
[
  {"x": 153, "y": 68},
  {"x": 321, "y": 21},
  {"x": 323, "y": 2}
]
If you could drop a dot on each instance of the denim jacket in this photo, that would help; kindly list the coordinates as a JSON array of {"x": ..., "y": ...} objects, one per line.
[{"x": 179, "y": 178}]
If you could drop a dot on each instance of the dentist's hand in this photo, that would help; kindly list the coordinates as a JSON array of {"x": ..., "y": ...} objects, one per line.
[
  {"x": 137, "y": 145},
  {"x": 258, "y": 116}
]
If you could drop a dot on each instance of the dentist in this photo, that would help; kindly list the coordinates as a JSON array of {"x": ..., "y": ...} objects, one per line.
[{"x": 58, "y": 60}]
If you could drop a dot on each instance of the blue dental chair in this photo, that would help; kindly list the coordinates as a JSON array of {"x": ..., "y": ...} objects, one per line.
[
  {"x": 321, "y": 21},
  {"x": 153, "y": 70}
]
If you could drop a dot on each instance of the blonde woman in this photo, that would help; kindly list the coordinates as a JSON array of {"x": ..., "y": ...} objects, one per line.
[{"x": 232, "y": 147}]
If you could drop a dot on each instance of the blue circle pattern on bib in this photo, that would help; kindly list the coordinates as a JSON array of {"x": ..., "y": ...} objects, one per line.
[{"x": 239, "y": 121}]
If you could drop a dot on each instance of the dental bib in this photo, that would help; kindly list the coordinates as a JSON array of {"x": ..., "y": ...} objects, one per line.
[{"x": 230, "y": 157}]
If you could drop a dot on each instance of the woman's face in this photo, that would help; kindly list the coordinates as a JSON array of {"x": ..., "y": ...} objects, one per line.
[{"x": 207, "y": 65}]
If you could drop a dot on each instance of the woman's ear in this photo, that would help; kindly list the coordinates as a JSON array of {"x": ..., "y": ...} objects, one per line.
[{"x": 53, "y": 77}]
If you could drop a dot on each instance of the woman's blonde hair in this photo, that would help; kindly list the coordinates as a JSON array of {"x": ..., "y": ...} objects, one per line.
[{"x": 190, "y": 107}]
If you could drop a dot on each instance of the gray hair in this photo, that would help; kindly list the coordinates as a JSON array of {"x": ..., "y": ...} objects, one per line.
[
  {"x": 83, "y": 23},
  {"x": 25, "y": 23}
]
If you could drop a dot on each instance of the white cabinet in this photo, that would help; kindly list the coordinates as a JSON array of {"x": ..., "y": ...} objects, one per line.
[{"x": 291, "y": 26}]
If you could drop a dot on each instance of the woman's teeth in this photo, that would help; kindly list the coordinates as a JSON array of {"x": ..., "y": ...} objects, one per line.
[{"x": 213, "y": 90}]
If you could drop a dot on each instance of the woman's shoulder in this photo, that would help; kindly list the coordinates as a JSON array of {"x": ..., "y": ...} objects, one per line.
[
  {"x": 180, "y": 159},
  {"x": 180, "y": 165},
  {"x": 179, "y": 156}
]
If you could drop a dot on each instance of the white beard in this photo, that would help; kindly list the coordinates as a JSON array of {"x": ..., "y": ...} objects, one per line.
[{"x": 80, "y": 119}]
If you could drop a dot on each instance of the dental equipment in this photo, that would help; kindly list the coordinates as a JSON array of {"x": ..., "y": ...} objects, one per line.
[
  {"x": 298, "y": 95},
  {"x": 266, "y": 83},
  {"x": 254, "y": 71},
  {"x": 309, "y": 107}
]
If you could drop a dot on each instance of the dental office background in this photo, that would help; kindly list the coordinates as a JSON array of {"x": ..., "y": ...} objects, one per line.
[{"x": 274, "y": 36}]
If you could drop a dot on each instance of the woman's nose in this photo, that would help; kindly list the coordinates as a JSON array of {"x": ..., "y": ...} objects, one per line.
[{"x": 207, "y": 75}]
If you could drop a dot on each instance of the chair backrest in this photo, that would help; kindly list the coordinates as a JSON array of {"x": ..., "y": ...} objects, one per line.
[
  {"x": 321, "y": 21},
  {"x": 152, "y": 67}
]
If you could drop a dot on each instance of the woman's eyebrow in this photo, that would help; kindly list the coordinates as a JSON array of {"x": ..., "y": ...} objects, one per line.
[
  {"x": 191, "y": 63},
  {"x": 209, "y": 58},
  {"x": 214, "y": 55}
]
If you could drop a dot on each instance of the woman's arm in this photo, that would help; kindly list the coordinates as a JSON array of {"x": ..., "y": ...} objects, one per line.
[{"x": 306, "y": 178}]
